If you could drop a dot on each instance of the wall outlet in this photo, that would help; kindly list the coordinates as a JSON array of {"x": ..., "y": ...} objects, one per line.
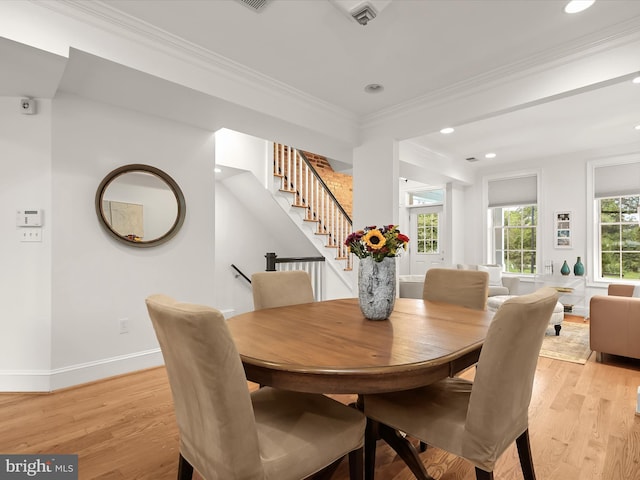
[
  {"x": 124, "y": 325},
  {"x": 30, "y": 234}
]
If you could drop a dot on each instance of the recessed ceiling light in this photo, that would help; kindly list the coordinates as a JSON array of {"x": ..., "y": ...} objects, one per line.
[
  {"x": 373, "y": 88},
  {"x": 217, "y": 170},
  {"x": 447, "y": 130},
  {"x": 490, "y": 155},
  {"x": 636, "y": 80},
  {"x": 637, "y": 127},
  {"x": 575, "y": 6}
]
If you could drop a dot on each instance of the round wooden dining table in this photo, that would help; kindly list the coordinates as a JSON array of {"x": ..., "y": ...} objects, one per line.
[{"x": 329, "y": 347}]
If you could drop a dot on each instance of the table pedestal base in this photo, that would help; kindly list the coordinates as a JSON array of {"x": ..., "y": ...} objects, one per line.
[{"x": 403, "y": 447}]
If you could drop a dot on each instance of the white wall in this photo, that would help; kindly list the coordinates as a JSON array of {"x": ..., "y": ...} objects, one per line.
[
  {"x": 25, "y": 280},
  {"x": 97, "y": 280},
  {"x": 563, "y": 186}
]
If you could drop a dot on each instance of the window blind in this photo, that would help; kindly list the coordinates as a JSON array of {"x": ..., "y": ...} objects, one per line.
[
  {"x": 617, "y": 180},
  {"x": 513, "y": 191}
]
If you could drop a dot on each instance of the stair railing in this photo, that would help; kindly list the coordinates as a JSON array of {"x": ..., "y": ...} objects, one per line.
[
  {"x": 314, "y": 266},
  {"x": 298, "y": 177}
]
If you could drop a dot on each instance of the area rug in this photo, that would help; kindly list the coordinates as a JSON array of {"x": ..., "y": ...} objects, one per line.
[{"x": 572, "y": 345}]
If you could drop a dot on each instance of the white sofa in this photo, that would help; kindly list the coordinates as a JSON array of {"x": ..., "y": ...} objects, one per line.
[
  {"x": 412, "y": 286},
  {"x": 498, "y": 284}
]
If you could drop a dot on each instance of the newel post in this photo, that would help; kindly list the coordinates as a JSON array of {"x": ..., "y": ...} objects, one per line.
[{"x": 271, "y": 261}]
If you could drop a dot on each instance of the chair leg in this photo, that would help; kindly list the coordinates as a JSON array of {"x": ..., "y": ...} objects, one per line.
[
  {"x": 370, "y": 439},
  {"x": 483, "y": 475},
  {"x": 524, "y": 452},
  {"x": 423, "y": 446},
  {"x": 185, "y": 469},
  {"x": 327, "y": 472},
  {"x": 356, "y": 464}
]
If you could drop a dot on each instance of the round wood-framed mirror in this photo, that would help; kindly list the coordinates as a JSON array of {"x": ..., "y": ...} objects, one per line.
[{"x": 140, "y": 205}]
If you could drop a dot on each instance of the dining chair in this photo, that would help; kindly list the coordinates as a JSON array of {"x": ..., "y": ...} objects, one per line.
[
  {"x": 228, "y": 433},
  {"x": 476, "y": 420},
  {"x": 467, "y": 288},
  {"x": 277, "y": 289}
]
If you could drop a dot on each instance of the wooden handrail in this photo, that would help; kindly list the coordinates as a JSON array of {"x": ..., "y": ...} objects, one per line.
[{"x": 299, "y": 178}]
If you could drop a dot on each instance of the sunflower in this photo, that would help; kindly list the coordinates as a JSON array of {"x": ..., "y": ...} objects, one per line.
[{"x": 374, "y": 240}]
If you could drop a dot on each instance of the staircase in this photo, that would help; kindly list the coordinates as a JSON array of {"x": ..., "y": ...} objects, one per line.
[{"x": 317, "y": 205}]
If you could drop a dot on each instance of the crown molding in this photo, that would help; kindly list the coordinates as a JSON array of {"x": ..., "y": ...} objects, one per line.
[
  {"x": 106, "y": 18},
  {"x": 587, "y": 46}
]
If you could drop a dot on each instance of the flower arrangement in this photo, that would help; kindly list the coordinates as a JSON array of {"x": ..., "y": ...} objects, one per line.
[{"x": 386, "y": 241}]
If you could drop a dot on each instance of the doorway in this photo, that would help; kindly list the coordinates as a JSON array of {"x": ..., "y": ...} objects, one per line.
[{"x": 426, "y": 249}]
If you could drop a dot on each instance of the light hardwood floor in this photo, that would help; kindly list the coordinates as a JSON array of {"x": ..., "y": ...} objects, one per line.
[{"x": 582, "y": 425}]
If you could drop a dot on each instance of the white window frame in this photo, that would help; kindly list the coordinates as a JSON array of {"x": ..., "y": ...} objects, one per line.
[
  {"x": 594, "y": 275},
  {"x": 487, "y": 239},
  {"x": 493, "y": 244}
]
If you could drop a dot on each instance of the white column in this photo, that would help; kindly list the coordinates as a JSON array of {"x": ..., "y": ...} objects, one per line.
[{"x": 376, "y": 167}]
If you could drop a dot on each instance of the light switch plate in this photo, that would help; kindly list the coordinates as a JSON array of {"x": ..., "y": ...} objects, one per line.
[{"x": 30, "y": 234}]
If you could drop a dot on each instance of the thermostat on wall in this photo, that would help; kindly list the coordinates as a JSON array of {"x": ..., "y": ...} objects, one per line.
[{"x": 29, "y": 218}]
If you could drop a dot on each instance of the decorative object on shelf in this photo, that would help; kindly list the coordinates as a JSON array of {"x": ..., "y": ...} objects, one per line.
[
  {"x": 578, "y": 268},
  {"x": 376, "y": 249},
  {"x": 565, "y": 270}
]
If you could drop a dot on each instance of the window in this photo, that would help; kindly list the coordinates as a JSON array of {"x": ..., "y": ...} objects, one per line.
[
  {"x": 432, "y": 196},
  {"x": 427, "y": 238},
  {"x": 513, "y": 223},
  {"x": 514, "y": 237},
  {"x": 614, "y": 240},
  {"x": 619, "y": 245}
]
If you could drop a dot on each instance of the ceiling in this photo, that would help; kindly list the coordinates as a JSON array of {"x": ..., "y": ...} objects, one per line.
[{"x": 416, "y": 49}]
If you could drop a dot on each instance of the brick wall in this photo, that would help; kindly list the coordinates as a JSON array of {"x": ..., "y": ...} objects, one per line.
[{"x": 340, "y": 184}]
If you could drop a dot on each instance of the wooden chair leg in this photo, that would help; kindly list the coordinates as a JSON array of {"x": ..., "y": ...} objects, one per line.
[
  {"x": 370, "y": 439},
  {"x": 185, "y": 469},
  {"x": 356, "y": 464},
  {"x": 483, "y": 475},
  {"x": 524, "y": 452},
  {"x": 423, "y": 447},
  {"x": 327, "y": 472}
]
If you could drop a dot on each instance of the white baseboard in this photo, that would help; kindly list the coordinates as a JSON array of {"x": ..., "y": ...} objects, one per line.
[
  {"x": 25, "y": 381},
  {"x": 47, "y": 381}
]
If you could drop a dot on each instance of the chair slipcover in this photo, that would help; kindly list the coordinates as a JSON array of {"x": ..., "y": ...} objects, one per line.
[
  {"x": 468, "y": 288},
  {"x": 226, "y": 433},
  {"x": 277, "y": 289},
  {"x": 478, "y": 420}
]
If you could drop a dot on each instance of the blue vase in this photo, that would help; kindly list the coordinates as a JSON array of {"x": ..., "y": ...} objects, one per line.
[
  {"x": 578, "y": 268},
  {"x": 565, "y": 270}
]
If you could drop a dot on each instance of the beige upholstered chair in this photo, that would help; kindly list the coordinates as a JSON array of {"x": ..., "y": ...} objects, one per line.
[
  {"x": 475, "y": 420},
  {"x": 226, "y": 433},
  {"x": 277, "y": 289},
  {"x": 468, "y": 288}
]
